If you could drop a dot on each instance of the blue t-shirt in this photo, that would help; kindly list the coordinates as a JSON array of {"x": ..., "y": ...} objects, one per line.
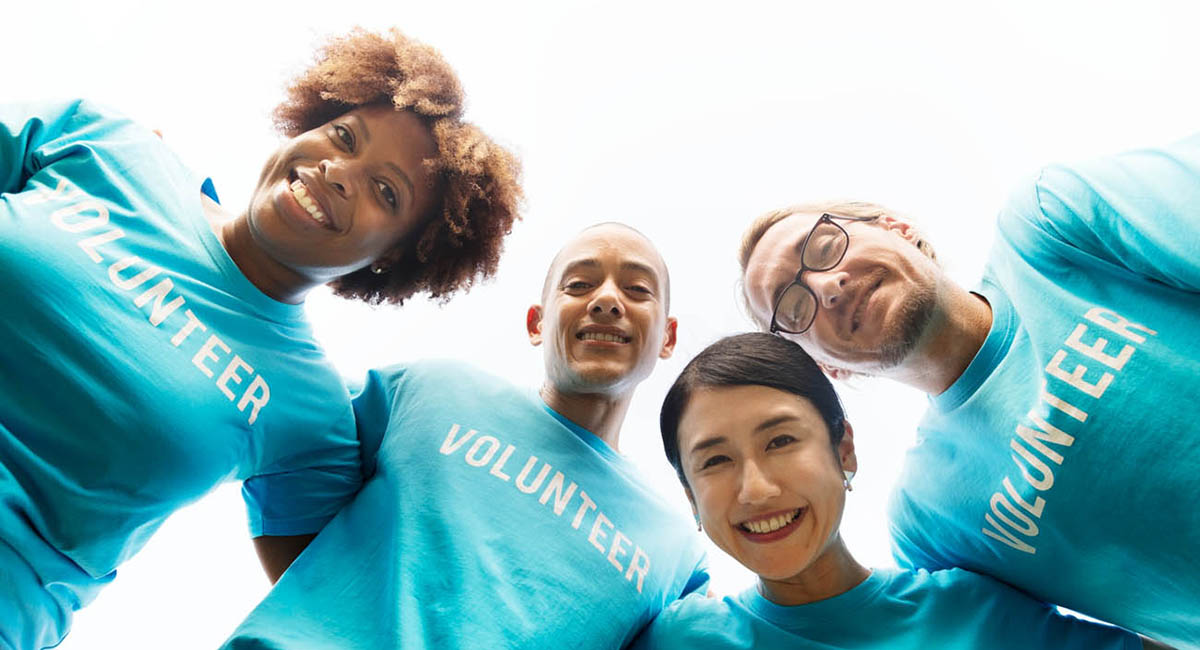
[
  {"x": 140, "y": 367},
  {"x": 893, "y": 609},
  {"x": 1065, "y": 460},
  {"x": 490, "y": 522}
]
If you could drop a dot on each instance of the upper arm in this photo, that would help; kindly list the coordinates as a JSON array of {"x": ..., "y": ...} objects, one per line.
[
  {"x": 277, "y": 552},
  {"x": 1138, "y": 210},
  {"x": 24, "y": 130}
]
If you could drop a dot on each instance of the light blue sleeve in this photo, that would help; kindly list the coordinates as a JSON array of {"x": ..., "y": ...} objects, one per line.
[
  {"x": 300, "y": 492},
  {"x": 299, "y": 502},
  {"x": 696, "y": 622},
  {"x": 1012, "y": 615},
  {"x": 1139, "y": 210},
  {"x": 24, "y": 130}
]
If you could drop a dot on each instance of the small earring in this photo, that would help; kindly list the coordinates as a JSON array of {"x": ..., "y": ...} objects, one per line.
[
  {"x": 698, "y": 526},
  {"x": 377, "y": 269},
  {"x": 846, "y": 482}
]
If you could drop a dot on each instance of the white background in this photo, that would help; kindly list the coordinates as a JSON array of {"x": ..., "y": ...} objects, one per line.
[{"x": 685, "y": 120}]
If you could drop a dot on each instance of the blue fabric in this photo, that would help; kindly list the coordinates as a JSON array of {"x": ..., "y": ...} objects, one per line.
[
  {"x": 891, "y": 610},
  {"x": 140, "y": 368},
  {"x": 1065, "y": 460},
  {"x": 490, "y": 522}
]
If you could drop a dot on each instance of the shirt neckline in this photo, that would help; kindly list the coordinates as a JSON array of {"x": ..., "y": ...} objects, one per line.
[
  {"x": 999, "y": 339},
  {"x": 237, "y": 281}
]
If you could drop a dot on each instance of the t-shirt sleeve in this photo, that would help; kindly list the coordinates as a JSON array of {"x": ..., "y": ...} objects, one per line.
[
  {"x": 1013, "y": 615},
  {"x": 1138, "y": 210},
  {"x": 25, "y": 131},
  {"x": 316, "y": 473},
  {"x": 299, "y": 502}
]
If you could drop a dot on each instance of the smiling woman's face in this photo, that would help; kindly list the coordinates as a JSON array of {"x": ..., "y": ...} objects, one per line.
[
  {"x": 334, "y": 199},
  {"x": 763, "y": 477}
]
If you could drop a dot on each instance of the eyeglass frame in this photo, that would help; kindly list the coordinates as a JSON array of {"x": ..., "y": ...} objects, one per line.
[{"x": 825, "y": 218}]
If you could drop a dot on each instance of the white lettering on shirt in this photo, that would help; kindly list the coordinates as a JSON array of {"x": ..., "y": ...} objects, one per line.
[
  {"x": 84, "y": 214},
  {"x": 1042, "y": 439},
  {"x": 558, "y": 494}
]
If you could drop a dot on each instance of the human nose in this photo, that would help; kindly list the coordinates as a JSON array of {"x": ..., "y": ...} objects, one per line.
[
  {"x": 756, "y": 485},
  {"x": 606, "y": 302},
  {"x": 337, "y": 173},
  {"x": 827, "y": 286}
]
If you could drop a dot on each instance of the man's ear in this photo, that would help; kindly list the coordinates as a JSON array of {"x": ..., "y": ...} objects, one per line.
[
  {"x": 898, "y": 226},
  {"x": 533, "y": 324},
  {"x": 668, "y": 346},
  {"x": 846, "y": 452},
  {"x": 839, "y": 374}
]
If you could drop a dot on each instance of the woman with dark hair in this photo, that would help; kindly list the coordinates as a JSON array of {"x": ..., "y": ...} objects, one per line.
[
  {"x": 155, "y": 343},
  {"x": 766, "y": 457}
]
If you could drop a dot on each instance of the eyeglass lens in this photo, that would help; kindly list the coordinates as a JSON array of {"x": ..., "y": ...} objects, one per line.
[{"x": 824, "y": 249}]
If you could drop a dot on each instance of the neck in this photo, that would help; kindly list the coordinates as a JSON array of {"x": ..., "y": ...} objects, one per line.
[
  {"x": 833, "y": 573},
  {"x": 272, "y": 278},
  {"x": 960, "y": 324},
  {"x": 601, "y": 414}
]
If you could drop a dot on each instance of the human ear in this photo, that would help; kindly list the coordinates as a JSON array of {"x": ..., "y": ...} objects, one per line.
[
  {"x": 899, "y": 226},
  {"x": 533, "y": 324},
  {"x": 668, "y": 346},
  {"x": 840, "y": 374},
  {"x": 846, "y": 454}
]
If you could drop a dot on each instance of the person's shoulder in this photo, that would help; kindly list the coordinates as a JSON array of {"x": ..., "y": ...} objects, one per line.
[
  {"x": 694, "y": 621},
  {"x": 448, "y": 376}
]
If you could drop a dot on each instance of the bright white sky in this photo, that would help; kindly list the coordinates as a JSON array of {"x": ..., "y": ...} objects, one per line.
[{"x": 685, "y": 120}]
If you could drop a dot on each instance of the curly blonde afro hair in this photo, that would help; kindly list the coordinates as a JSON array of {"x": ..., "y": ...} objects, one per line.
[{"x": 460, "y": 241}]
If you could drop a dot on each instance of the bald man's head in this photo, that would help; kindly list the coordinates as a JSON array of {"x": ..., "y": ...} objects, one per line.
[
  {"x": 603, "y": 320},
  {"x": 609, "y": 226}
]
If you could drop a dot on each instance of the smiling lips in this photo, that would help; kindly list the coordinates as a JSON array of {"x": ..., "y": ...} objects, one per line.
[
  {"x": 775, "y": 527},
  {"x": 300, "y": 192},
  {"x": 864, "y": 298},
  {"x": 607, "y": 337}
]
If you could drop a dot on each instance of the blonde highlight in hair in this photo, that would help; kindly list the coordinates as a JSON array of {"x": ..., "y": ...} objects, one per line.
[{"x": 759, "y": 227}]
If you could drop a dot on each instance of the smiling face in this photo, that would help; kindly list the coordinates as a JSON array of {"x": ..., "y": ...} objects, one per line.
[
  {"x": 604, "y": 315},
  {"x": 873, "y": 307},
  {"x": 336, "y": 198},
  {"x": 763, "y": 477}
]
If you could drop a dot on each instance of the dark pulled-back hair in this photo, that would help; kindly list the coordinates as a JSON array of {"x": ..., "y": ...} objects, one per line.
[
  {"x": 479, "y": 181},
  {"x": 753, "y": 359}
]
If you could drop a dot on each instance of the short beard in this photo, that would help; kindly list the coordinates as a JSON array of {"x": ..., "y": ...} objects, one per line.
[{"x": 912, "y": 323}]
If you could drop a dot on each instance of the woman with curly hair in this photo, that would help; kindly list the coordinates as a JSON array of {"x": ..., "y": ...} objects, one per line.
[{"x": 155, "y": 343}]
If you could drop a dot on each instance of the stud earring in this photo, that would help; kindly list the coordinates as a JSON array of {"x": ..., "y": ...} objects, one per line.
[{"x": 377, "y": 269}]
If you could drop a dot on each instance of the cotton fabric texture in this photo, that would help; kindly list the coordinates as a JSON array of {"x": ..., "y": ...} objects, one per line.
[
  {"x": 141, "y": 369},
  {"x": 1065, "y": 461},
  {"x": 893, "y": 609},
  {"x": 490, "y": 522}
]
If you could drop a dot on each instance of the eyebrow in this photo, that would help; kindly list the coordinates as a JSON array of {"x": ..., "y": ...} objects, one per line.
[
  {"x": 366, "y": 133},
  {"x": 762, "y": 426}
]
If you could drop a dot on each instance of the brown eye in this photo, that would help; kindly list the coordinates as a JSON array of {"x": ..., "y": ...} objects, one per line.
[
  {"x": 345, "y": 135},
  {"x": 780, "y": 441},
  {"x": 713, "y": 461},
  {"x": 386, "y": 192}
]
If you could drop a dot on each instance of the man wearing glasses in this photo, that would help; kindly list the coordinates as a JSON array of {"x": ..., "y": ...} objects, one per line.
[{"x": 1060, "y": 453}]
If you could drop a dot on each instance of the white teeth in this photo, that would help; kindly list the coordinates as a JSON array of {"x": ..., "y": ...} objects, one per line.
[
  {"x": 596, "y": 336},
  {"x": 301, "y": 193},
  {"x": 771, "y": 525}
]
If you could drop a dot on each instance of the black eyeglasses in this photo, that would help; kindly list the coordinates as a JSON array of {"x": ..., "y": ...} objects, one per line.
[{"x": 823, "y": 249}]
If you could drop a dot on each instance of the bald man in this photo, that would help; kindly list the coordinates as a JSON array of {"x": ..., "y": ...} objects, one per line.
[{"x": 498, "y": 517}]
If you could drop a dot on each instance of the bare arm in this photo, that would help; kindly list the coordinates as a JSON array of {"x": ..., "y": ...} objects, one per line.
[{"x": 276, "y": 553}]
